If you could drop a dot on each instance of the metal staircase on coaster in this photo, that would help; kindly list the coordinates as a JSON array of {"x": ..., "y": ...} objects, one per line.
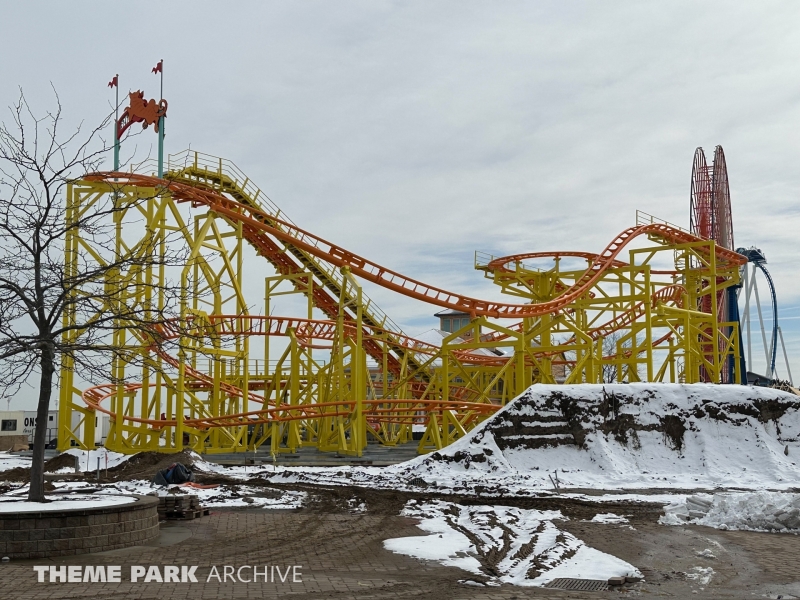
[{"x": 239, "y": 405}]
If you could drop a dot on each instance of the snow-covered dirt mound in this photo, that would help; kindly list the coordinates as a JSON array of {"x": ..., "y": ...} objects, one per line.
[
  {"x": 626, "y": 435},
  {"x": 759, "y": 511}
]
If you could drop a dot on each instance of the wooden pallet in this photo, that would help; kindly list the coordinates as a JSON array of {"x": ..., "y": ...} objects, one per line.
[
  {"x": 183, "y": 515},
  {"x": 182, "y": 508}
]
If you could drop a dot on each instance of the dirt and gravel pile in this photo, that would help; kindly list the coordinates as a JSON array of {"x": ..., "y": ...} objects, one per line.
[
  {"x": 145, "y": 465},
  {"x": 23, "y": 474},
  {"x": 16, "y": 475},
  {"x": 62, "y": 461}
]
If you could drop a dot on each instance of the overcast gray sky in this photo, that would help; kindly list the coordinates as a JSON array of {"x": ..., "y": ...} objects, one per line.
[{"x": 417, "y": 132}]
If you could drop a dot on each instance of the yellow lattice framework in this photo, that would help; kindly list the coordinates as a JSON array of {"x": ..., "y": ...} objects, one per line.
[{"x": 237, "y": 378}]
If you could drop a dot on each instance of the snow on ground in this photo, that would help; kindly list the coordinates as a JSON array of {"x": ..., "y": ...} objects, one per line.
[
  {"x": 88, "y": 459},
  {"x": 654, "y": 498},
  {"x": 701, "y": 575},
  {"x": 225, "y": 495},
  {"x": 10, "y": 503},
  {"x": 758, "y": 511},
  {"x": 237, "y": 495},
  {"x": 12, "y": 461},
  {"x": 519, "y": 546},
  {"x": 234, "y": 495},
  {"x": 609, "y": 519},
  {"x": 607, "y": 437},
  {"x": 229, "y": 496},
  {"x": 629, "y": 436}
]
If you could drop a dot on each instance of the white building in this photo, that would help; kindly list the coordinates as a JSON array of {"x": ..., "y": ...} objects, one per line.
[
  {"x": 23, "y": 422},
  {"x": 12, "y": 422},
  {"x": 29, "y": 425}
]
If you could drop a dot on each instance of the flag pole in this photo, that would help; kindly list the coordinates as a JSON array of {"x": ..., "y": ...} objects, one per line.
[
  {"x": 161, "y": 128},
  {"x": 116, "y": 125}
]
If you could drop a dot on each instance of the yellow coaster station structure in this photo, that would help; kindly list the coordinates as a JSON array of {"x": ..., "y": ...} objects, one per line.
[{"x": 233, "y": 378}]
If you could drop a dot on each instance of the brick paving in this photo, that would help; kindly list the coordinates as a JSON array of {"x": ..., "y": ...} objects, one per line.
[
  {"x": 342, "y": 556},
  {"x": 777, "y": 555}
]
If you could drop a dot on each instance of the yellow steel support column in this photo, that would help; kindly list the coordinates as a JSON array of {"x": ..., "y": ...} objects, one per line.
[{"x": 358, "y": 387}]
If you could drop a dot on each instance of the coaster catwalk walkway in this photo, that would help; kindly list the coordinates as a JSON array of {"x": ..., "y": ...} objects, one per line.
[{"x": 353, "y": 377}]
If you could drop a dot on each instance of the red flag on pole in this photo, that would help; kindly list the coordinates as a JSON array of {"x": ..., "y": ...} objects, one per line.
[
  {"x": 159, "y": 68},
  {"x": 113, "y": 82}
]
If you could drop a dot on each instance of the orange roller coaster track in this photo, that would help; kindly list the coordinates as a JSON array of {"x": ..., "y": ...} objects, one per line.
[
  {"x": 255, "y": 225},
  {"x": 240, "y": 381}
]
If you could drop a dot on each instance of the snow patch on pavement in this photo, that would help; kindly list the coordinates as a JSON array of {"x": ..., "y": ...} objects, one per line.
[
  {"x": 748, "y": 511},
  {"x": 701, "y": 575},
  {"x": 504, "y": 544},
  {"x": 609, "y": 518}
]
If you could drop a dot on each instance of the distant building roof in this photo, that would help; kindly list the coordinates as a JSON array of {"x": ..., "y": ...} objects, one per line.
[
  {"x": 450, "y": 312},
  {"x": 435, "y": 337},
  {"x": 759, "y": 380}
]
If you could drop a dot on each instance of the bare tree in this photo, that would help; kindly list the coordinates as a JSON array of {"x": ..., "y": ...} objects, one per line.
[
  {"x": 37, "y": 290},
  {"x": 609, "y": 371},
  {"x": 613, "y": 344}
]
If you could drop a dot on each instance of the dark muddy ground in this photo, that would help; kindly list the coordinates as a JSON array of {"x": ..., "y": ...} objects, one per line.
[
  {"x": 342, "y": 553},
  {"x": 744, "y": 563}
]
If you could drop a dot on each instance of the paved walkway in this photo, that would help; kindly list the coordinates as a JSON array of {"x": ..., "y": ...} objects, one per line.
[{"x": 341, "y": 556}]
